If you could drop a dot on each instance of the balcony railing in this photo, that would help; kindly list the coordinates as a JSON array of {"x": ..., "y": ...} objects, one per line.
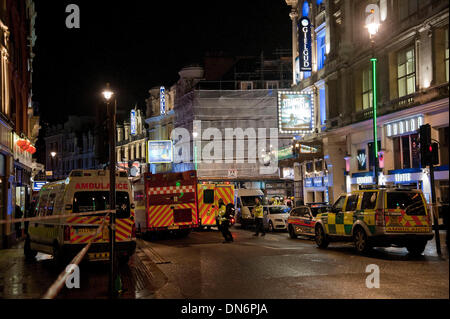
[{"x": 407, "y": 101}]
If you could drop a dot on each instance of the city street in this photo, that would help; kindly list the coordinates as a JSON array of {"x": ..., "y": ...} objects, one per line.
[{"x": 274, "y": 266}]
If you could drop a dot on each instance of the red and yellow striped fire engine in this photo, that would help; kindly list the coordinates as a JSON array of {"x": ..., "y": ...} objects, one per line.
[{"x": 177, "y": 202}]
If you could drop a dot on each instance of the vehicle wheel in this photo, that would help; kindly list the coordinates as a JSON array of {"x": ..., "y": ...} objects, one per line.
[
  {"x": 28, "y": 252},
  {"x": 292, "y": 232},
  {"x": 271, "y": 229},
  {"x": 322, "y": 240},
  {"x": 416, "y": 249},
  {"x": 361, "y": 242}
]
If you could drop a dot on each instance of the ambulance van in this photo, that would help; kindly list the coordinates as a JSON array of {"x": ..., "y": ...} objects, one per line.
[{"x": 82, "y": 192}]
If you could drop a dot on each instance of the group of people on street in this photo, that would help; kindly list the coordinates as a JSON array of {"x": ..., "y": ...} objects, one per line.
[{"x": 226, "y": 212}]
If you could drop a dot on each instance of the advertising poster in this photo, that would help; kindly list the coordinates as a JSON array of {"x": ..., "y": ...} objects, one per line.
[
  {"x": 295, "y": 112},
  {"x": 160, "y": 152}
]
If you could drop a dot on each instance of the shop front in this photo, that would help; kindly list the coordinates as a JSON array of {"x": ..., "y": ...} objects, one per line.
[
  {"x": 6, "y": 195},
  {"x": 316, "y": 189},
  {"x": 22, "y": 185}
]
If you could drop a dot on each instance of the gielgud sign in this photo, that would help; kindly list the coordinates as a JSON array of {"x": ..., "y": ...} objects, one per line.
[{"x": 304, "y": 48}]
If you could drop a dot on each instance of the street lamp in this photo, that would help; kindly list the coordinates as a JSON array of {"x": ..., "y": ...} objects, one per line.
[
  {"x": 111, "y": 110},
  {"x": 53, "y": 154},
  {"x": 372, "y": 25}
]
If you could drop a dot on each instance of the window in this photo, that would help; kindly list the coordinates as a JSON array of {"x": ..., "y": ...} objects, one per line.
[
  {"x": 406, "y": 151},
  {"x": 406, "y": 72},
  {"x": 97, "y": 201},
  {"x": 309, "y": 167},
  {"x": 446, "y": 55},
  {"x": 323, "y": 107},
  {"x": 321, "y": 49},
  {"x": 50, "y": 205},
  {"x": 406, "y": 8},
  {"x": 339, "y": 204},
  {"x": 352, "y": 202},
  {"x": 319, "y": 165},
  {"x": 411, "y": 202},
  {"x": 208, "y": 196},
  {"x": 367, "y": 92},
  {"x": 443, "y": 140},
  {"x": 369, "y": 200},
  {"x": 246, "y": 85},
  {"x": 271, "y": 85}
]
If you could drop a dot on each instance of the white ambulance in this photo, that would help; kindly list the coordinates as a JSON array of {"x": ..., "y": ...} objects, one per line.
[
  {"x": 245, "y": 200},
  {"x": 83, "y": 191}
]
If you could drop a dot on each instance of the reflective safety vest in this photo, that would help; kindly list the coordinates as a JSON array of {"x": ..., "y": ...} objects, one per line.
[
  {"x": 259, "y": 211},
  {"x": 221, "y": 214}
]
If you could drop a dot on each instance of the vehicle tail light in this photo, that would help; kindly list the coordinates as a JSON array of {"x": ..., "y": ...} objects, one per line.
[
  {"x": 66, "y": 233},
  {"x": 133, "y": 231},
  {"x": 379, "y": 217}
]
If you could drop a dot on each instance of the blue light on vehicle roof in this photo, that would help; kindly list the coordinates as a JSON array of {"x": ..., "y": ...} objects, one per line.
[{"x": 319, "y": 2}]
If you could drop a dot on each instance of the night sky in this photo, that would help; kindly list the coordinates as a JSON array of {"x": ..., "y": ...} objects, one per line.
[{"x": 136, "y": 45}]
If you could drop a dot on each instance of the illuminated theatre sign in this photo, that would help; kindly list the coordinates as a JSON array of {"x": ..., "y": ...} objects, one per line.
[
  {"x": 295, "y": 112},
  {"x": 304, "y": 39}
]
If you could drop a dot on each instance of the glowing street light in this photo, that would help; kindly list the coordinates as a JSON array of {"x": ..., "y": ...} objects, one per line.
[
  {"x": 53, "y": 154},
  {"x": 107, "y": 93},
  {"x": 372, "y": 25}
]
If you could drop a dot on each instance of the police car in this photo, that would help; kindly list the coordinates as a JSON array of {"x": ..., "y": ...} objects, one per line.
[
  {"x": 378, "y": 217},
  {"x": 83, "y": 191},
  {"x": 302, "y": 219}
]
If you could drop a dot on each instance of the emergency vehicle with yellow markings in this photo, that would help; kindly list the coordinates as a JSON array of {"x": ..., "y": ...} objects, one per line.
[
  {"x": 178, "y": 202},
  {"x": 83, "y": 191},
  {"x": 166, "y": 202},
  {"x": 209, "y": 194},
  {"x": 378, "y": 217}
]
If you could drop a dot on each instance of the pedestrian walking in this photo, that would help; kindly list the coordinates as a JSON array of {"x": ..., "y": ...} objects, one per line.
[
  {"x": 224, "y": 215},
  {"x": 259, "y": 215},
  {"x": 18, "y": 226}
]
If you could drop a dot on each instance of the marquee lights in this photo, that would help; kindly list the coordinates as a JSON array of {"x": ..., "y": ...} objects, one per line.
[{"x": 284, "y": 103}]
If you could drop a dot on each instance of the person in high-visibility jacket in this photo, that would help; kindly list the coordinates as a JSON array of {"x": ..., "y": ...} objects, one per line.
[
  {"x": 259, "y": 215},
  {"x": 223, "y": 222}
]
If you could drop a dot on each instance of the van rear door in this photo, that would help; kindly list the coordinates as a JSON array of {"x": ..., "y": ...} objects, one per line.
[{"x": 406, "y": 212}]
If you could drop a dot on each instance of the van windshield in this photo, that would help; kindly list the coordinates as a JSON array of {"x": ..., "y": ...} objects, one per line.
[
  {"x": 411, "y": 202},
  {"x": 250, "y": 200},
  {"x": 96, "y": 201}
]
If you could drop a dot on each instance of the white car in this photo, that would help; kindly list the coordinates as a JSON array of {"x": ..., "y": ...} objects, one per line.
[{"x": 275, "y": 217}]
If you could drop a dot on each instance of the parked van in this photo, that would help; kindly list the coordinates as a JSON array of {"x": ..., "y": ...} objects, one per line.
[
  {"x": 245, "y": 200},
  {"x": 83, "y": 191}
]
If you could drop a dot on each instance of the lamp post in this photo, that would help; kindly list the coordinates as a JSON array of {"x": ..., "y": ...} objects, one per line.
[
  {"x": 111, "y": 109},
  {"x": 53, "y": 154},
  {"x": 372, "y": 25}
]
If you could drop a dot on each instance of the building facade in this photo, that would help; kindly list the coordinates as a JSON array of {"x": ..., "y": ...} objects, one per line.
[
  {"x": 70, "y": 146},
  {"x": 18, "y": 121},
  {"x": 131, "y": 143},
  {"x": 411, "y": 48}
]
